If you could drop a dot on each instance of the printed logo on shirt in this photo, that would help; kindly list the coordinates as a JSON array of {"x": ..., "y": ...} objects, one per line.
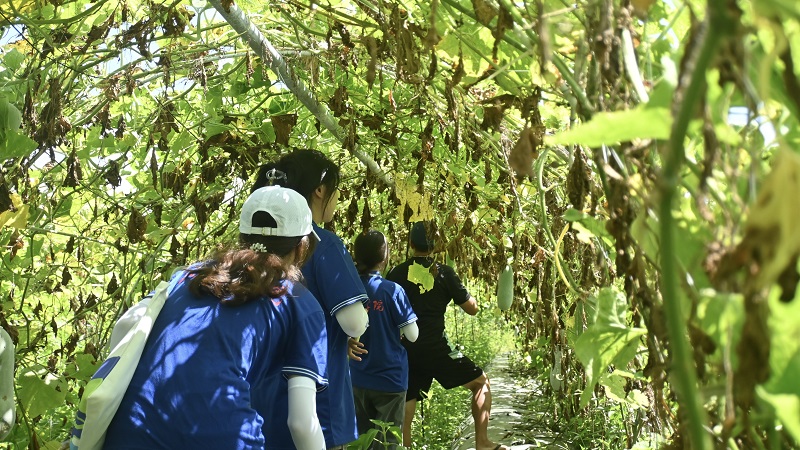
[{"x": 377, "y": 305}]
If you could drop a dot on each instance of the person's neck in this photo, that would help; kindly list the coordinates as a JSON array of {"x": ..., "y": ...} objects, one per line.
[
  {"x": 317, "y": 212},
  {"x": 419, "y": 254},
  {"x": 374, "y": 269}
]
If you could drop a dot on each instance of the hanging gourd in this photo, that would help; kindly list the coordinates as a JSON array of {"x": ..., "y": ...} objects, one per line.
[
  {"x": 505, "y": 289},
  {"x": 7, "y": 407}
]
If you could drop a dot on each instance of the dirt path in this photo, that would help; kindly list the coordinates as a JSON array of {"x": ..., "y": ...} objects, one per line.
[{"x": 510, "y": 422}]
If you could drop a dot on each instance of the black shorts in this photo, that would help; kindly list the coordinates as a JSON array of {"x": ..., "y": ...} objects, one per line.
[{"x": 435, "y": 362}]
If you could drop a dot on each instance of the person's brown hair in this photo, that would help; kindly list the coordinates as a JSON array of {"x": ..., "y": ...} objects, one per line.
[{"x": 241, "y": 274}]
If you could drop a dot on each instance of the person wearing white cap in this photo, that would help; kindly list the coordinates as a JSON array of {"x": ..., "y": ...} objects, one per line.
[
  {"x": 331, "y": 276},
  {"x": 232, "y": 321}
]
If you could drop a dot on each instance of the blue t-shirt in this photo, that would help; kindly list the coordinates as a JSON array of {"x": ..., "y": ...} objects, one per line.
[
  {"x": 191, "y": 388},
  {"x": 385, "y": 367},
  {"x": 332, "y": 277}
]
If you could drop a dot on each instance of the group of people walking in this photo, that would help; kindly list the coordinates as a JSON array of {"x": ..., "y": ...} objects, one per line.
[{"x": 284, "y": 340}]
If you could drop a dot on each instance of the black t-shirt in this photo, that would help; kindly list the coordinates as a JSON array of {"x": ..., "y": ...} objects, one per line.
[{"x": 430, "y": 306}]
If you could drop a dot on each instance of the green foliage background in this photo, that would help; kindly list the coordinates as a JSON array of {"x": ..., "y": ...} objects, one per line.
[{"x": 587, "y": 144}]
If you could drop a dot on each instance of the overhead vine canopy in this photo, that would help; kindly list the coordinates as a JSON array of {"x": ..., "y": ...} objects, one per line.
[{"x": 590, "y": 145}]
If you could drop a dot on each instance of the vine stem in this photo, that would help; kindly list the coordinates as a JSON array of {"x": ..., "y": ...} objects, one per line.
[
  {"x": 694, "y": 77},
  {"x": 557, "y": 256}
]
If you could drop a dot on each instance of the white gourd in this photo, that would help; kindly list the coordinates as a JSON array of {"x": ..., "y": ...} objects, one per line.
[
  {"x": 8, "y": 409},
  {"x": 556, "y": 377},
  {"x": 505, "y": 289}
]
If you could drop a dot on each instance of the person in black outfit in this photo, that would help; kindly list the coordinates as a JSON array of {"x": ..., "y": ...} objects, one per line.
[{"x": 431, "y": 356}]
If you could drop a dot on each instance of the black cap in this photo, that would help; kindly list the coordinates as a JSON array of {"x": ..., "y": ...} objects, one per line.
[{"x": 421, "y": 236}]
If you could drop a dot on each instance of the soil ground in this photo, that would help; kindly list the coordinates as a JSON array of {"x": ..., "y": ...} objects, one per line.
[{"x": 511, "y": 422}]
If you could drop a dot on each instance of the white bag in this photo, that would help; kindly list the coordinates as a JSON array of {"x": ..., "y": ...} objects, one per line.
[{"x": 103, "y": 394}]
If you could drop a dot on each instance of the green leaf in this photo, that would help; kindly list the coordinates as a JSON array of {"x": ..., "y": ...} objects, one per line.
[
  {"x": 183, "y": 140},
  {"x": 612, "y": 309},
  {"x": 239, "y": 88},
  {"x": 608, "y": 342},
  {"x": 721, "y": 316},
  {"x": 614, "y": 387},
  {"x": 84, "y": 367},
  {"x": 215, "y": 128},
  {"x": 10, "y": 117},
  {"x": 65, "y": 208},
  {"x": 781, "y": 391},
  {"x": 14, "y": 145},
  {"x": 619, "y": 126},
  {"x": 645, "y": 231},
  {"x": 787, "y": 409},
  {"x": 591, "y": 225},
  {"x": 784, "y": 326},
  {"x": 159, "y": 234},
  {"x": 661, "y": 95},
  {"x": 777, "y": 8},
  {"x": 472, "y": 55},
  {"x": 421, "y": 276},
  {"x": 15, "y": 219},
  {"x": 39, "y": 390},
  {"x": 13, "y": 59}
]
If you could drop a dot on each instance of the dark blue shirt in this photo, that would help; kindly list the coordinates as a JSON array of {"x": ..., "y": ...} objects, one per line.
[
  {"x": 192, "y": 386},
  {"x": 385, "y": 367},
  {"x": 332, "y": 277}
]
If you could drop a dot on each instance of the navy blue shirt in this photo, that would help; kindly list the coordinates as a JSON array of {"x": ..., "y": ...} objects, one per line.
[
  {"x": 385, "y": 367},
  {"x": 332, "y": 277},
  {"x": 192, "y": 386}
]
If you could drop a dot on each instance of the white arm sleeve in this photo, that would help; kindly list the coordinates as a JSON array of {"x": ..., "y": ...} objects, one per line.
[
  {"x": 8, "y": 408},
  {"x": 353, "y": 319},
  {"x": 303, "y": 422},
  {"x": 410, "y": 331}
]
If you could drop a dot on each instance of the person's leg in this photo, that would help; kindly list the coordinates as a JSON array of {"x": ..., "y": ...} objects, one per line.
[
  {"x": 390, "y": 408},
  {"x": 411, "y": 407},
  {"x": 361, "y": 400},
  {"x": 481, "y": 410},
  {"x": 420, "y": 379}
]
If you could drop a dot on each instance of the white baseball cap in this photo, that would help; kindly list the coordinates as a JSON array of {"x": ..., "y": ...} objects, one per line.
[{"x": 289, "y": 209}]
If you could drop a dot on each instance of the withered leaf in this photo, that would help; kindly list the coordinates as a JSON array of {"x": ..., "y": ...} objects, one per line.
[
  {"x": 484, "y": 11},
  {"x": 283, "y": 125},
  {"x": 524, "y": 152},
  {"x": 338, "y": 102},
  {"x": 113, "y": 285},
  {"x": 137, "y": 225}
]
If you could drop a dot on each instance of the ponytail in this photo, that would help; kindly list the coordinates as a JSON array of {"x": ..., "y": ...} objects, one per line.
[
  {"x": 302, "y": 171},
  {"x": 239, "y": 275},
  {"x": 370, "y": 249}
]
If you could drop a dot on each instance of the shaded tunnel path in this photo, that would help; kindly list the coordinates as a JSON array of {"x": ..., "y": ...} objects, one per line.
[{"x": 514, "y": 421}]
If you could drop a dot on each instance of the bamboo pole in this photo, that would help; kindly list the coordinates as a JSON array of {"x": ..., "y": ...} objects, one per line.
[{"x": 239, "y": 21}]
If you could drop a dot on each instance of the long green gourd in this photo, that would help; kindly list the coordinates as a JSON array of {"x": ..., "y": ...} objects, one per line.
[
  {"x": 8, "y": 409},
  {"x": 505, "y": 289}
]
